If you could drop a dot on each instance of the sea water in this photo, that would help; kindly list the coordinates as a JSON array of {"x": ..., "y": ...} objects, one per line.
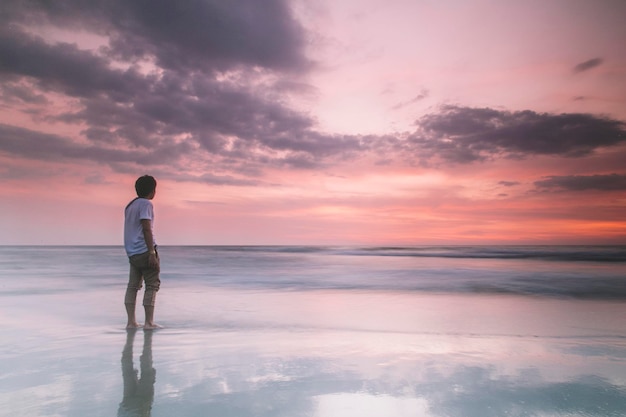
[{"x": 318, "y": 331}]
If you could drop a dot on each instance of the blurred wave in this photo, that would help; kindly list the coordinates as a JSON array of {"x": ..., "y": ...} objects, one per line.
[{"x": 586, "y": 272}]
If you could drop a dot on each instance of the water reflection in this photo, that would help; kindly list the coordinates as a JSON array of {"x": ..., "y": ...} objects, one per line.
[
  {"x": 477, "y": 377},
  {"x": 138, "y": 387}
]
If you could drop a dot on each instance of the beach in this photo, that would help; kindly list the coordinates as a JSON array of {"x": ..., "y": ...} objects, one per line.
[{"x": 305, "y": 331}]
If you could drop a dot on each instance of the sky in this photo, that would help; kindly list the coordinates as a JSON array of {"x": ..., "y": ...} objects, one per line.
[{"x": 294, "y": 122}]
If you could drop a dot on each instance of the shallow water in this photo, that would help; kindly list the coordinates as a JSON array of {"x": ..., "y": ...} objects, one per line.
[{"x": 302, "y": 332}]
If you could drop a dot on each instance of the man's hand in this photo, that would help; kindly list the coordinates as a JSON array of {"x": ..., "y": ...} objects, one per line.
[{"x": 153, "y": 260}]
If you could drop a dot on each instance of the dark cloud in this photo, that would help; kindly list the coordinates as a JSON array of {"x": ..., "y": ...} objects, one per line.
[
  {"x": 200, "y": 34},
  {"x": 509, "y": 183},
  {"x": 26, "y": 143},
  {"x": 209, "y": 88},
  {"x": 209, "y": 82},
  {"x": 12, "y": 93},
  {"x": 610, "y": 182},
  {"x": 63, "y": 68},
  {"x": 464, "y": 134},
  {"x": 587, "y": 65}
]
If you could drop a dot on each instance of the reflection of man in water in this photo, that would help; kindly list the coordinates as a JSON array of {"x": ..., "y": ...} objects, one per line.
[{"x": 138, "y": 392}]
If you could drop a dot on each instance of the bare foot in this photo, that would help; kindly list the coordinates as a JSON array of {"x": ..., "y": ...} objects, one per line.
[
  {"x": 135, "y": 325},
  {"x": 152, "y": 326}
]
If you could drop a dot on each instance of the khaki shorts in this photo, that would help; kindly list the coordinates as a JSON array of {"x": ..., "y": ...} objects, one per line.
[{"x": 141, "y": 271}]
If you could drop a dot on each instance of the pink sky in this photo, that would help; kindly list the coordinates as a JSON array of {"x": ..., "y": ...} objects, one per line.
[{"x": 349, "y": 122}]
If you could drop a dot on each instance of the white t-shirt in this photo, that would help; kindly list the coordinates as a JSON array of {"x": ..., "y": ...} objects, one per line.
[{"x": 138, "y": 210}]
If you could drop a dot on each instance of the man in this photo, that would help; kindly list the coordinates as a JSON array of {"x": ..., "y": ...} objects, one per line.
[{"x": 142, "y": 253}]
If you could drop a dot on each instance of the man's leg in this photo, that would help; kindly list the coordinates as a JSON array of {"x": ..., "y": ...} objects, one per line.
[
  {"x": 130, "y": 299},
  {"x": 153, "y": 284},
  {"x": 150, "y": 324},
  {"x": 131, "y": 323}
]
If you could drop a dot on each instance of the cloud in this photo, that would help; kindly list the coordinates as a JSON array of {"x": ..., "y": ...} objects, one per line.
[
  {"x": 509, "y": 183},
  {"x": 216, "y": 88},
  {"x": 63, "y": 68},
  {"x": 26, "y": 143},
  {"x": 201, "y": 34},
  {"x": 421, "y": 96},
  {"x": 465, "y": 134},
  {"x": 207, "y": 178},
  {"x": 610, "y": 182},
  {"x": 200, "y": 91},
  {"x": 113, "y": 97},
  {"x": 16, "y": 93},
  {"x": 587, "y": 65}
]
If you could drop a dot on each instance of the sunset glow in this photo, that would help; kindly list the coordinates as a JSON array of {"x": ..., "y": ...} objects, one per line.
[{"x": 333, "y": 123}]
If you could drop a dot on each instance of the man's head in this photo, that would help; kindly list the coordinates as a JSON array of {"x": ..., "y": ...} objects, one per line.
[{"x": 145, "y": 186}]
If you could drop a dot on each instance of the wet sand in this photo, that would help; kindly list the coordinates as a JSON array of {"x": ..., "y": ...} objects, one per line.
[{"x": 326, "y": 353}]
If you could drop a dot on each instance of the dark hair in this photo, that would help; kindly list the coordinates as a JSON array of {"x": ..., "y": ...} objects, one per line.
[{"x": 145, "y": 185}]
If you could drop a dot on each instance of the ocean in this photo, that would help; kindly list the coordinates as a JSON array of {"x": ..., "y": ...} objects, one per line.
[{"x": 317, "y": 331}]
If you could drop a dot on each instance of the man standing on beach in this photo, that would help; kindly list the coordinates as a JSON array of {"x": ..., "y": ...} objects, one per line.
[{"x": 142, "y": 253}]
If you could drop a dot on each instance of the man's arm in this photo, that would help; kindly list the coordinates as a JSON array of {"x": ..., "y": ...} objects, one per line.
[{"x": 147, "y": 235}]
